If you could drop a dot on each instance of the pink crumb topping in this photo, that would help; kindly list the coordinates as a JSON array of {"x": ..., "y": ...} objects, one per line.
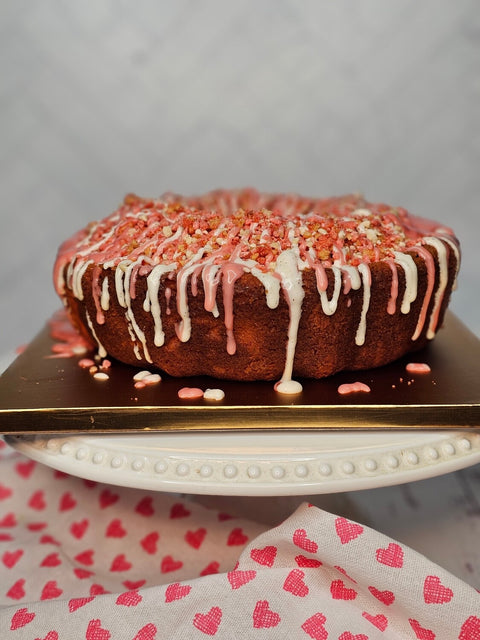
[
  {"x": 248, "y": 225},
  {"x": 417, "y": 367},
  {"x": 354, "y": 387}
]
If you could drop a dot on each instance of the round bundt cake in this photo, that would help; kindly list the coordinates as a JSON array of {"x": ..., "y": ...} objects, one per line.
[{"x": 242, "y": 285}]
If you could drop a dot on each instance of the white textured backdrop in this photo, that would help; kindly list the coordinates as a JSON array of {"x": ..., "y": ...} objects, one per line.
[{"x": 102, "y": 97}]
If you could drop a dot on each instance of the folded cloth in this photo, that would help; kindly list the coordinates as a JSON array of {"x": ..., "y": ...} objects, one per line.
[{"x": 83, "y": 560}]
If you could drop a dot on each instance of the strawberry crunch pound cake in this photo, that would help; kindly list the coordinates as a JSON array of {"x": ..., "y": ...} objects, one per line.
[{"x": 242, "y": 285}]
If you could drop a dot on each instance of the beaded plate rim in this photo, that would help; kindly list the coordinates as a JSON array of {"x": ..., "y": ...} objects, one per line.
[{"x": 290, "y": 463}]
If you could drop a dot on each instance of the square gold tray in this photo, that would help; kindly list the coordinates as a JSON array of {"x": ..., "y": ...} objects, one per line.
[{"x": 41, "y": 394}]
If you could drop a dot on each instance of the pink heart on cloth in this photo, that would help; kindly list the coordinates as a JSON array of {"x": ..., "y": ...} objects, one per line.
[
  {"x": 434, "y": 592},
  {"x": 209, "y": 622},
  {"x": 380, "y": 621},
  {"x": 300, "y": 540},
  {"x": 265, "y": 556},
  {"x": 392, "y": 556},
  {"x": 347, "y": 530},
  {"x": 315, "y": 627},
  {"x": 295, "y": 584},
  {"x": 264, "y": 617},
  {"x": 387, "y": 597},
  {"x": 21, "y": 618},
  {"x": 148, "y": 632},
  {"x": 17, "y": 591},
  {"x": 176, "y": 591},
  {"x": 238, "y": 578},
  {"x": 340, "y": 591},
  {"x": 420, "y": 632},
  {"x": 95, "y": 631}
]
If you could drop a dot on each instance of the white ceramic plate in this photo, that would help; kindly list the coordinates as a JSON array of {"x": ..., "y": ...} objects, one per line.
[{"x": 257, "y": 464}]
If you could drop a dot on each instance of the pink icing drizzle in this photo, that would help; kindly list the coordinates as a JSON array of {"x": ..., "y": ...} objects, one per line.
[
  {"x": 190, "y": 393},
  {"x": 353, "y": 387},
  {"x": 417, "y": 367}
]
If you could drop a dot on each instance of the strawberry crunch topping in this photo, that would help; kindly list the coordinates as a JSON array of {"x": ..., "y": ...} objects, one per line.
[{"x": 251, "y": 227}]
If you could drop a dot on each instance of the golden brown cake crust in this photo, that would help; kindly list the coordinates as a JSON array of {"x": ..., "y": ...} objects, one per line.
[{"x": 389, "y": 300}]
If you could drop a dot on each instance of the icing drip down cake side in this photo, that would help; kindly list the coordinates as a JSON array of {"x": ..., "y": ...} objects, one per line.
[{"x": 242, "y": 285}]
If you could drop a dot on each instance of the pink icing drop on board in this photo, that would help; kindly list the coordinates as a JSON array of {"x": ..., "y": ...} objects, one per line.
[
  {"x": 190, "y": 393},
  {"x": 417, "y": 367},
  {"x": 353, "y": 387}
]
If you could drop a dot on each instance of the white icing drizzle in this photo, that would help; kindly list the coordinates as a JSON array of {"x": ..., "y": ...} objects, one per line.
[
  {"x": 409, "y": 267},
  {"x": 454, "y": 247},
  {"x": 152, "y": 302},
  {"x": 138, "y": 333},
  {"x": 105, "y": 297},
  {"x": 102, "y": 352},
  {"x": 330, "y": 306},
  {"x": 364, "y": 269},
  {"x": 442, "y": 256},
  {"x": 291, "y": 279}
]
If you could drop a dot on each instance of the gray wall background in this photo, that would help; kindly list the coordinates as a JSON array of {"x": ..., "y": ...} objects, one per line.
[{"x": 99, "y": 98}]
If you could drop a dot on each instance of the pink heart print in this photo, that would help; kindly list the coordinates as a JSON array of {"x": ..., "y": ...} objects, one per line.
[
  {"x": 420, "y": 632},
  {"x": 265, "y": 556},
  {"x": 145, "y": 507},
  {"x": 67, "y": 502},
  {"x": 17, "y": 591},
  {"x": 211, "y": 568},
  {"x": 238, "y": 578},
  {"x": 307, "y": 563},
  {"x": 209, "y": 622},
  {"x": 177, "y": 591},
  {"x": 470, "y": 629},
  {"x": 85, "y": 557},
  {"x": 77, "y": 603},
  {"x": 107, "y": 498},
  {"x": 434, "y": 592},
  {"x": 300, "y": 540},
  {"x": 95, "y": 631},
  {"x": 129, "y": 599},
  {"x": 10, "y": 558},
  {"x": 51, "y": 560},
  {"x": 115, "y": 529},
  {"x": 78, "y": 529},
  {"x": 179, "y": 511},
  {"x": 148, "y": 632},
  {"x": 295, "y": 584},
  {"x": 5, "y": 492},
  {"x": 21, "y": 618},
  {"x": 169, "y": 564},
  {"x": 392, "y": 556},
  {"x": 348, "y": 635},
  {"x": 236, "y": 537},
  {"x": 380, "y": 621},
  {"x": 24, "y": 469},
  {"x": 149, "y": 542},
  {"x": 120, "y": 563},
  {"x": 264, "y": 617},
  {"x": 387, "y": 597},
  {"x": 195, "y": 538},
  {"x": 51, "y": 591},
  {"x": 346, "y": 530},
  {"x": 51, "y": 635},
  {"x": 37, "y": 501},
  {"x": 339, "y": 591},
  {"x": 314, "y": 627}
]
